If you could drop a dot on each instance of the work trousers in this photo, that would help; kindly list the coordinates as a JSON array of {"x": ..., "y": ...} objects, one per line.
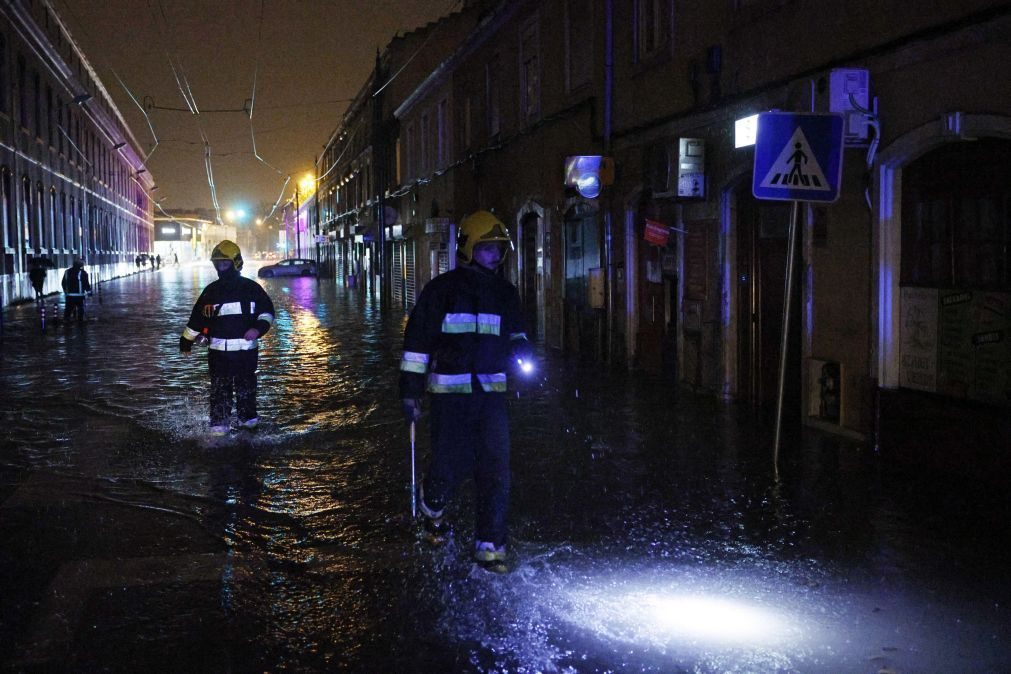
[
  {"x": 470, "y": 436},
  {"x": 71, "y": 304},
  {"x": 232, "y": 371}
]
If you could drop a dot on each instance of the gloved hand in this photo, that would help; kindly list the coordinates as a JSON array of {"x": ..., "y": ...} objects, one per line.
[
  {"x": 411, "y": 408},
  {"x": 251, "y": 334},
  {"x": 185, "y": 345}
]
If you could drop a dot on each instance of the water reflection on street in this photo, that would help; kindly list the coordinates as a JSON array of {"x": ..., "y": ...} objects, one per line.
[{"x": 649, "y": 532}]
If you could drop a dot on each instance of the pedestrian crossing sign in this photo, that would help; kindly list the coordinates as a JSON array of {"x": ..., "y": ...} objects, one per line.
[{"x": 798, "y": 157}]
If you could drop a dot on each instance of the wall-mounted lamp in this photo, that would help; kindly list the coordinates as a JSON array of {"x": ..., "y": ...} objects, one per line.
[
  {"x": 82, "y": 98},
  {"x": 139, "y": 171},
  {"x": 118, "y": 145}
]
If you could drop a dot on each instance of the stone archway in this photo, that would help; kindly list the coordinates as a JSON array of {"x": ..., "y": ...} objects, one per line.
[{"x": 887, "y": 221}]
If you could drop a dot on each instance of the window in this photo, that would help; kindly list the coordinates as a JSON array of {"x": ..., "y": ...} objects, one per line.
[
  {"x": 30, "y": 236},
  {"x": 442, "y": 134},
  {"x": 22, "y": 91},
  {"x": 426, "y": 146},
  {"x": 50, "y": 125},
  {"x": 4, "y": 85},
  {"x": 467, "y": 129},
  {"x": 36, "y": 105},
  {"x": 10, "y": 227},
  {"x": 530, "y": 72},
  {"x": 61, "y": 122},
  {"x": 956, "y": 217},
  {"x": 653, "y": 27},
  {"x": 493, "y": 95},
  {"x": 578, "y": 43},
  {"x": 51, "y": 228},
  {"x": 409, "y": 152},
  {"x": 65, "y": 235}
]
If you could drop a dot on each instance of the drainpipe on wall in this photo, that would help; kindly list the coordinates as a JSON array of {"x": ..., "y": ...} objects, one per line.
[{"x": 608, "y": 239}]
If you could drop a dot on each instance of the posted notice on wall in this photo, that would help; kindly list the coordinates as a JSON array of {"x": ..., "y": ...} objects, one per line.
[{"x": 918, "y": 339}]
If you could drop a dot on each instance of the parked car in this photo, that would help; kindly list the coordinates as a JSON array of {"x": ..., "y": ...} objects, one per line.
[{"x": 290, "y": 267}]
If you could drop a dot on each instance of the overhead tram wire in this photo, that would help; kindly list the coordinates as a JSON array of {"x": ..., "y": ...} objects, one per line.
[
  {"x": 252, "y": 99},
  {"x": 187, "y": 94},
  {"x": 147, "y": 117}
]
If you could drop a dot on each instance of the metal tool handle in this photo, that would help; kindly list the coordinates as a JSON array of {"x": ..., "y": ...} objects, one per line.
[{"x": 414, "y": 488}]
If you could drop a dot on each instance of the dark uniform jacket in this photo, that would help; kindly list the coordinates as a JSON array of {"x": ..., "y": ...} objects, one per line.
[
  {"x": 75, "y": 282},
  {"x": 225, "y": 310},
  {"x": 465, "y": 331}
]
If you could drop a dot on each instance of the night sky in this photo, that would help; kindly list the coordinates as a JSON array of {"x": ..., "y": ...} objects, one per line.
[{"x": 313, "y": 55}]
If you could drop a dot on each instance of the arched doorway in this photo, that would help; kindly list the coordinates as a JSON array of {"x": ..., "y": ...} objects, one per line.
[
  {"x": 531, "y": 268},
  {"x": 583, "y": 309}
]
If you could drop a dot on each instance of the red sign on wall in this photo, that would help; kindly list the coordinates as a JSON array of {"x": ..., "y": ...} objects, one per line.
[{"x": 656, "y": 233}]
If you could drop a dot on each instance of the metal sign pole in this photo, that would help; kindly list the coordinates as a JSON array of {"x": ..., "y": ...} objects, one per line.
[{"x": 783, "y": 346}]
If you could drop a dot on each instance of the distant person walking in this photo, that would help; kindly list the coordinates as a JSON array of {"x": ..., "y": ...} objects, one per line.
[
  {"x": 157, "y": 261},
  {"x": 37, "y": 275},
  {"x": 75, "y": 286}
]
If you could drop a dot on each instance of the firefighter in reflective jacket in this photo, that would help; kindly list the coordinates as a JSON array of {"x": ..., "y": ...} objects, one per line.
[
  {"x": 462, "y": 337},
  {"x": 230, "y": 315}
]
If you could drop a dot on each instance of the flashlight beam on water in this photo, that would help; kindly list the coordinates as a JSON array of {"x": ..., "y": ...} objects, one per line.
[{"x": 666, "y": 619}]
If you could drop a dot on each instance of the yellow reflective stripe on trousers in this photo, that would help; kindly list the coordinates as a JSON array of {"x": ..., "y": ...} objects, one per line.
[
  {"x": 493, "y": 383},
  {"x": 413, "y": 361},
  {"x": 449, "y": 383}
]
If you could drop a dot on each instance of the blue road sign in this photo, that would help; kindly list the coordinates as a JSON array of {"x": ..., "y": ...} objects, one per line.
[{"x": 798, "y": 157}]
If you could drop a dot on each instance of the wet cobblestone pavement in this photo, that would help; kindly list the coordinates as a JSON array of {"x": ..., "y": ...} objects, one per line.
[{"x": 649, "y": 531}]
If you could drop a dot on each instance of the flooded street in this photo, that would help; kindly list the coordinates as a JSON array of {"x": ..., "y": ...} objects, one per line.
[{"x": 648, "y": 530}]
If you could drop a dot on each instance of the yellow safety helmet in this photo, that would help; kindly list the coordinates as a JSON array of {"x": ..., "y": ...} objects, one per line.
[
  {"x": 479, "y": 227},
  {"x": 227, "y": 250}
]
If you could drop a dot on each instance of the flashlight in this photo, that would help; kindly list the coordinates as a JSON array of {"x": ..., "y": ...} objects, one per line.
[{"x": 525, "y": 366}]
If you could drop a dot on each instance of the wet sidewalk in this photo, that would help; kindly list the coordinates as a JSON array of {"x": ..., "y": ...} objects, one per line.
[{"x": 649, "y": 531}]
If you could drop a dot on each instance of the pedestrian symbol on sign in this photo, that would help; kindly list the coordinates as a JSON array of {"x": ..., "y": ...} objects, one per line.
[{"x": 797, "y": 167}]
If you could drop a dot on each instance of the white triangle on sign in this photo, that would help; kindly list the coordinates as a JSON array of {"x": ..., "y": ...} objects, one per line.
[{"x": 797, "y": 167}]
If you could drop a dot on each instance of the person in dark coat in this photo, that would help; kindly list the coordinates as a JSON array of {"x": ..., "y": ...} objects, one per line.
[
  {"x": 37, "y": 275},
  {"x": 76, "y": 287},
  {"x": 230, "y": 315},
  {"x": 463, "y": 335}
]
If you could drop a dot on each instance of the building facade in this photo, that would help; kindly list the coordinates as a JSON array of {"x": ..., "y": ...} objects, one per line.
[
  {"x": 900, "y": 316},
  {"x": 72, "y": 176}
]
